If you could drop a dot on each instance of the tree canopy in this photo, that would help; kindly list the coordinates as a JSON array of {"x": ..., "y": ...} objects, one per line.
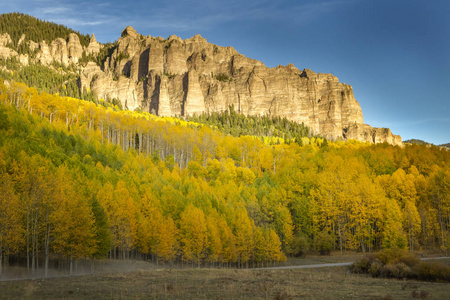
[{"x": 80, "y": 179}]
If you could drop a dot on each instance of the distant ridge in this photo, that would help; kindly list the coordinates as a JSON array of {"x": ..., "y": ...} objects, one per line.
[
  {"x": 416, "y": 141},
  {"x": 421, "y": 142}
]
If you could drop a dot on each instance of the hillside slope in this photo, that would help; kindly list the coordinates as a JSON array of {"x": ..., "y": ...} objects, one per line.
[
  {"x": 171, "y": 77},
  {"x": 99, "y": 181}
]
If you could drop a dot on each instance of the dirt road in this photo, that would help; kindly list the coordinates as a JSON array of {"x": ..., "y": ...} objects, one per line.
[{"x": 330, "y": 265}]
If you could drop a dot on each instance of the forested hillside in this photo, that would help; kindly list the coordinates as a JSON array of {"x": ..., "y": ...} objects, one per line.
[
  {"x": 56, "y": 80},
  {"x": 275, "y": 130},
  {"x": 416, "y": 141},
  {"x": 84, "y": 180},
  {"x": 53, "y": 78},
  {"x": 17, "y": 24}
]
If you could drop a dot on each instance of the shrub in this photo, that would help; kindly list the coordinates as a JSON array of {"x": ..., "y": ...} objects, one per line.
[
  {"x": 432, "y": 271},
  {"x": 388, "y": 256},
  {"x": 324, "y": 243},
  {"x": 398, "y": 270},
  {"x": 223, "y": 77},
  {"x": 375, "y": 268},
  {"x": 401, "y": 264},
  {"x": 300, "y": 245},
  {"x": 122, "y": 56},
  {"x": 170, "y": 75},
  {"x": 410, "y": 260},
  {"x": 363, "y": 265}
]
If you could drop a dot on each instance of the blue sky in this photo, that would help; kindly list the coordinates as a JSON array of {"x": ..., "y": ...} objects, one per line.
[{"x": 395, "y": 53}]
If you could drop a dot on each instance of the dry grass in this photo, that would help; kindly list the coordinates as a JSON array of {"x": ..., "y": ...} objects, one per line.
[{"x": 324, "y": 283}]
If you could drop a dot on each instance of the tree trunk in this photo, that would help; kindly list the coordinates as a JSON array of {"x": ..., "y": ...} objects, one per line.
[
  {"x": 47, "y": 251},
  {"x": 1, "y": 257},
  {"x": 71, "y": 264}
]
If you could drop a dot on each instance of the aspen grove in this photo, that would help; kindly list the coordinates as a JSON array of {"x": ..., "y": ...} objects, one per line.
[{"x": 84, "y": 180}]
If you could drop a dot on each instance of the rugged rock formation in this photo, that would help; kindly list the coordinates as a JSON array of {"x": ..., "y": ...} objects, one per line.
[
  {"x": 5, "y": 51},
  {"x": 5, "y": 39},
  {"x": 366, "y": 133},
  {"x": 172, "y": 76},
  {"x": 59, "y": 50},
  {"x": 94, "y": 47},
  {"x": 175, "y": 77}
]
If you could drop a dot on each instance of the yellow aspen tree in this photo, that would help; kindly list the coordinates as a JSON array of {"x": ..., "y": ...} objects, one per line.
[
  {"x": 156, "y": 233},
  {"x": 72, "y": 221},
  {"x": 105, "y": 197},
  {"x": 364, "y": 213},
  {"x": 401, "y": 187},
  {"x": 284, "y": 226},
  {"x": 172, "y": 201},
  {"x": 38, "y": 207},
  {"x": 243, "y": 231},
  {"x": 260, "y": 246},
  {"x": 166, "y": 239},
  {"x": 273, "y": 246},
  {"x": 147, "y": 222},
  {"x": 11, "y": 229},
  {"x": 125, "y": 215},
  {"x": 228, "y": 241},
  {"x": 267, "y": 159},
  {"x": 244, "y": 176},
  {"x": 439, "y": 190},
  {"x": 197, "y": 155},
  {"x": 228, "y": 171},
  {"x": 193, "y": 235},
  {"x": 327, "y": 211},
  {"x": 428, "y": 213},
  {"x": 392, "y": 230},
  {"x": 215, "y": 247}
]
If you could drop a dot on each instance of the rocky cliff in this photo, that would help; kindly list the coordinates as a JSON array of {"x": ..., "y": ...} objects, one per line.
[
  {"x": 175, "y": 77},
  {"x": 62, "y": 51}
]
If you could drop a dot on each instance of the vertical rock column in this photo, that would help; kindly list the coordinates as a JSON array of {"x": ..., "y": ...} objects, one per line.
[
  {"x": 194, "y": 103},
  {"x": 164, "y": 100}
]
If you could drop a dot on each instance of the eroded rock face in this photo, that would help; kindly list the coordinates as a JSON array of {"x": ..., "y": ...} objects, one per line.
[
  {"x": 366, "y": 133},
  {"x": 59, "y": 50},
  {"x": 5, "y": 39},
  {"x": 94, "y": 47},
  {"x": 6, "y": 52},
  {"x": 181, "y": 77}
]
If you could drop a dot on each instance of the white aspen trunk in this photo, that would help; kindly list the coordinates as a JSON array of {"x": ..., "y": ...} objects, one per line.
[
  {"x": 28, "y": 239},
  {"x": 71, "y": 263},
  {"x": 122, "y": 136},
  {"x": 1, "y": 252},
  {"x": 47, "y": 251}
]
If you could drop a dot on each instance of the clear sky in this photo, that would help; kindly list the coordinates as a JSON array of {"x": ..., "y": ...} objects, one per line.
[{"x": 395, "y": 53}]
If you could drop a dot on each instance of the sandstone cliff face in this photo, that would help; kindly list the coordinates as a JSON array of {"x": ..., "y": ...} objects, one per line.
[
  {"x": 181, "y": 77},
  {"x": 94, "y": 47},
  {"x": 5, "y": 51},
  {"x": 59, "y": 50}
]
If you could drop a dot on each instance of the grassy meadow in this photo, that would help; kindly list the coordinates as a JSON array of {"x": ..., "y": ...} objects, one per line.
[{"x": 142, "y": 280}]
